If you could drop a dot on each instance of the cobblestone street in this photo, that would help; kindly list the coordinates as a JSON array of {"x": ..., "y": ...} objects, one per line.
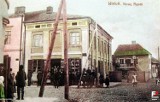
[{"x": 122, "y": 93}]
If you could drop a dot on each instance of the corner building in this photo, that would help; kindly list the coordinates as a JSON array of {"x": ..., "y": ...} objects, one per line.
[{"x": 81, "y": 36}]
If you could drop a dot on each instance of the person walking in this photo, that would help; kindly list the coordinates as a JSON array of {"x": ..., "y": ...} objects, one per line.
[
  {"x": 134, "y": 79},
  {"x": 14, "y": 81},
  {"x": 20, "y": 81},
  {"x": 2, "y": 95},
  {"x": 107, "y": 81}
]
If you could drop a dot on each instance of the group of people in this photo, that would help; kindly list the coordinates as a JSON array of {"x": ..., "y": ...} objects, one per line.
[
  {"x": 57, "y": 77},
  {"x": 14, "y": 84},
  {"x": 104, "y": 80},
  {"x": 89, "y": 78}
]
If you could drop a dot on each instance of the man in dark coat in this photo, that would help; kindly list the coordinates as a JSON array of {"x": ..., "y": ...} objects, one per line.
[
  {"x": 10, "y": 86},
  {"x": 101, "y": 80},
  {"x": 20, "y": 81},
  {"x": 39, "y": 77},
  {"x": 56, "y": 79},
  {"x": 107, "y": 81}
]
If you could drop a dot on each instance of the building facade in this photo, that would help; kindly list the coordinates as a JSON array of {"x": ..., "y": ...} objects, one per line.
[
  {"x": 14, "y": 38},
  {"x": 87, "y": 47},
  {"x": 132, "y": 57},
  {"x": 3, "y": 21}
]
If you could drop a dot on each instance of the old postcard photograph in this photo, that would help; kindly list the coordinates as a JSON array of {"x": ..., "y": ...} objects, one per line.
[{"x": 79, "y": 50}]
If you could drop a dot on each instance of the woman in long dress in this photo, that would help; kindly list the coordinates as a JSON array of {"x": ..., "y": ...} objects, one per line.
[{"x": 134, "y": 79}]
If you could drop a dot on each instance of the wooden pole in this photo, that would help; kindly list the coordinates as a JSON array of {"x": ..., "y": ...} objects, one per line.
[
  {"x": 47, "y": 64},
  {"x": 66, "y": 93}
]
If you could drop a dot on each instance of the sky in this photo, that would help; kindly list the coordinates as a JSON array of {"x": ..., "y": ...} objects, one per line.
[{"x": 125, "y": 23}]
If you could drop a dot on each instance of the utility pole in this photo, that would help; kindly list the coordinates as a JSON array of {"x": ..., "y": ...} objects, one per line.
[
  {"x": 47, "y": 64},
  {"x": 66, "y": 93}
]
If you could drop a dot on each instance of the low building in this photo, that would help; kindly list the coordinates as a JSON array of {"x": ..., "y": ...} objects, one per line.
[{"x": 132, "y": 57}]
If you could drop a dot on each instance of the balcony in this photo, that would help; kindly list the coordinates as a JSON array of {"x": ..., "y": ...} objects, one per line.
[{"x": 127, "y": 65}]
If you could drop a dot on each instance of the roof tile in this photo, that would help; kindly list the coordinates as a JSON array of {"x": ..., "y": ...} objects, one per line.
[{"x": 130, "y": 49}]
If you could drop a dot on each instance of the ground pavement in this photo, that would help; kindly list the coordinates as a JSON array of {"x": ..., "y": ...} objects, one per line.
[{"x": 118, "y": 92}]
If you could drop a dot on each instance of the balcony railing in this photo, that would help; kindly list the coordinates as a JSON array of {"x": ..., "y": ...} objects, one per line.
[{"x": 127, "y": 65}]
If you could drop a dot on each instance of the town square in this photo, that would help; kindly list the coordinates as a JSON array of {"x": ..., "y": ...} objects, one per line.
[{"x": 79, "y": 51}]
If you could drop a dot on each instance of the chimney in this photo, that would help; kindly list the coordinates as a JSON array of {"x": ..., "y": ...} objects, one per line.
[
  {"x": 20, "y": 10},
  {"x": 49, "y": 10},
  {"x": 133, "y": 42}
]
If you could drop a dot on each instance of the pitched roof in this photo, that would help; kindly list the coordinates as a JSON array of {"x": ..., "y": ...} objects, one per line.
[
  {"x": 154, "y": 60},
  {"x": 39, "y": 16},
  {"x": 130, "y": 49}
]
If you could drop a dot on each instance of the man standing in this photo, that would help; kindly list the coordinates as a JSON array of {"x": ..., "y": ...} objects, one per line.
[
  {"x": 20, "y": 79},
  {"x": 10, "y": 86}
]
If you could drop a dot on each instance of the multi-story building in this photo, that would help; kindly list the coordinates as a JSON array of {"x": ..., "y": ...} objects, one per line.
[
  {"x": 28, "y": 37},
  {"x": 3, "y": 21},
  {"x": 81, "y": 37},
  {"x": 14, "y": 38}
]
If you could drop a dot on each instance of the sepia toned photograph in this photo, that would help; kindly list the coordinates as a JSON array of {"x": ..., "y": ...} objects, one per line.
[{"x": 79, "y": 50}]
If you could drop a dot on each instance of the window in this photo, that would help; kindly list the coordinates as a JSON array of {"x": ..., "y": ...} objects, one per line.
[
  {"x": 121, "y": 61},
  {"x": 74, "y": 23},
  {"x": 128, "y": 61},
  {"x": 75, "y": 38},
  {"x": 99, "y": 47},
  {"x": 104, "y": 47},
  {"x": 7, "y": 37},
  {"x": 37, "y": 26},
  {"x": 94, "y": 42},
  {"x": 37, "y": 40}
]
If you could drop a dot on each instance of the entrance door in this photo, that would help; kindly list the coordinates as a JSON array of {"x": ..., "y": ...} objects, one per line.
[
  {"x": 34, "y": 66},
  {"x": 55, "y": 66},
  {"x": 74, "y": 70}
]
